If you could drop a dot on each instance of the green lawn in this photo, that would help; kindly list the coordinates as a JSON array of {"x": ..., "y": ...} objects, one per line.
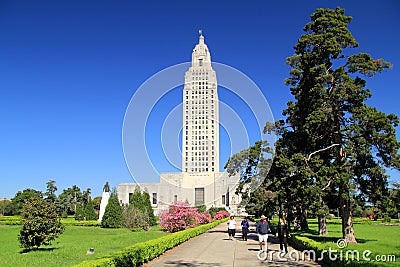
[
  {"x": 70, "y": 248},
  {"x": 380, "y": 239}
]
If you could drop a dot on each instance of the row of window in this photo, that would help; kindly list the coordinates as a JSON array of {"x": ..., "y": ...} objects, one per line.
[
  {"x": 199, "y": 72},
  {"x": 195, "y": 159},
  {"x": 194, "y": 147},
  {"x": 194, "y": 91},
  {"x": 199, "y": 153},
  {"x": 199, "y": 78},
  {"x": 199, "y": 163},
  {"x": 198, "y": 169},
  {"x": 198, "y": 194}
]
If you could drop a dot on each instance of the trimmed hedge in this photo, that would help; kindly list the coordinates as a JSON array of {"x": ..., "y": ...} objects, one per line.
[
  {"x": 16, "y": 220},
  {"x": 140, "y": 253},
  {"x": 304, "y": 243},
  {"x": 80, "y": 223}
]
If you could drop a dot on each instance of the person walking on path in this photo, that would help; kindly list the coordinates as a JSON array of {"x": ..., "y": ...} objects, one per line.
[
  {"x": 262, "y": 229},
  {"x": 245, "y": 228},
  {"x": 231, "y": 227},
  {"x": 283, "y": 234}
]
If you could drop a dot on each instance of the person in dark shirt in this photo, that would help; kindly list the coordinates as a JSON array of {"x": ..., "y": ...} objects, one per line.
[
  {"x": 283, "y": 234},
  {"x": 263, "y": 229},
  {"x": 245, "y": 228}
]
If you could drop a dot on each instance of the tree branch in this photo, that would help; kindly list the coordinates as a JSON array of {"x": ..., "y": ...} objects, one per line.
[{"x": 320, "y": 150}]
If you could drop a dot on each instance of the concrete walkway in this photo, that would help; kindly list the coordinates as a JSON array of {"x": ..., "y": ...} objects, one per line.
[{"x": 214, "y": 248}]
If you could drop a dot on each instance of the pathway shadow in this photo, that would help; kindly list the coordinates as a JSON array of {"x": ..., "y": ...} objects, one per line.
[
  {"x": 190, "y": 263},
  {"x": 217, "y": 231}
]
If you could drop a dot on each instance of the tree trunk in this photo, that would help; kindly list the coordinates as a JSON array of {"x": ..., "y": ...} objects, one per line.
[
  {"x": 347, "y": 217},
  {"x": 322, "y": 228},
  {"x": 303, "y": 219}
]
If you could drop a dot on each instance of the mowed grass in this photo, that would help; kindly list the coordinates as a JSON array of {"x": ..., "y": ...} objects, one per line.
[
  {"x": 70, "y": 248},
  {"x": 381, "y": 240}
]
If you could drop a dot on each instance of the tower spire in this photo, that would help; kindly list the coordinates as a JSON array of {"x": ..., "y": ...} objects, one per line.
[{"x": 201, "y": 37}]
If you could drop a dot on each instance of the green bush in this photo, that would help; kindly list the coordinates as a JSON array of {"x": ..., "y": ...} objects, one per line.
[
  {"x": 134, "y": 219},
  {"x": 40, "y": 223},
  {"x": 201, "y": 208},
  {"x": 140, "y": 253},
  {"x": 212, "y": 211}
]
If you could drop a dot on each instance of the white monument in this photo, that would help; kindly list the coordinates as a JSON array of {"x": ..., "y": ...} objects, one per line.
[{"x": 104, "y": 200}]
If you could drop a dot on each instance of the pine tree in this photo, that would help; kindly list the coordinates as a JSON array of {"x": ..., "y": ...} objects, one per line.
[
  {"x": 112, "y": 217},
  {"x": 148, "y": 209},
  {"x": 136, "y": 200},
  {"x": 339, "y": 139},
  {"x": 89, "y": 211}
]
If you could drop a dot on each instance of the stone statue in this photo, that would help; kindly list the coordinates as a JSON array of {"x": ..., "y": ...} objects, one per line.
[{"x": 106, "y": 187}]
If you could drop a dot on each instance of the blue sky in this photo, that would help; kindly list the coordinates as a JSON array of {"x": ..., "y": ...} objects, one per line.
[{"x": 68, "y": 70}]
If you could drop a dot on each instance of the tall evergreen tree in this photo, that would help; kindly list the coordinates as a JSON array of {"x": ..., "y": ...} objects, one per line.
[
  {"x": 51, "y": 191},
  {"x": 148, "y": 209},
  {"x": 340, "y": 139},
  {"x": 112, "y": 217},
  {"x": 136, "y": 200},
  {"x": 89, "y": 211}
]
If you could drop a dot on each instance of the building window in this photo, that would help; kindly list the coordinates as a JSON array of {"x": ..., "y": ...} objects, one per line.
[
  {"x": 130, "y": 196},
  {"x": 223, "y": 199},
  {"x": 175, "y": 198},
  {"x": 154, "y": 198},
  {"x": 200, "y": 62},
  {"x": 199, "y": 196}
]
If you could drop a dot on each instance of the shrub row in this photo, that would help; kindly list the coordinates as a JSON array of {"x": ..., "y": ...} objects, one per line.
[
  {"x": 304, "y": 243},
  {"x": 80, "y": 223},
  {"x": 140, "y": 253},
  {"x": 10, "y": 218},
  {"x": 10, "y": 222}
]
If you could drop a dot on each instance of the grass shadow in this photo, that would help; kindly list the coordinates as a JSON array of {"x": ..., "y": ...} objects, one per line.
[
  {"x": 27, "y": 250},
  {"x": 312, "y": 234}
]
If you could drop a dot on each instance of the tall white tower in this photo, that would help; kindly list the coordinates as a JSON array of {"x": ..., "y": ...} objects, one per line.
[{"x": 200, "y": 133}]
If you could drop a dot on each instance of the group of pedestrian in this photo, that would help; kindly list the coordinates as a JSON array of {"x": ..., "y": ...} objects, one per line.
[{"x": 262, "y": 230}]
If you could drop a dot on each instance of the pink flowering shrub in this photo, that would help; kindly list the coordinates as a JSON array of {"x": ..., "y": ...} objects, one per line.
[
  {"x": 180, "y": 216},
  {"x": 221, "y": 214},
  {"x": 203, "y": 218}
]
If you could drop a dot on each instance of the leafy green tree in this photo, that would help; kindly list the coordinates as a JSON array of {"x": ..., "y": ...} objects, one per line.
[
  {"x": 5, "y": 207},
  {"x": 40, "y": 223},
  {"x": 18, "y": 200},
  {"x": 112, "y": 217},
  {"x": 148, "y": 210},
  {"x": 51, "y": 191},
  {"x": 96, "y": 202},
  {"x": 80, "y": 212},
  {"x": 70, "y": 198},
  {"x": 252, "y": 164},
  {"x": 393, "y": 205},
  {"x": 86, "y": 196},
  {"x": 339, "y": 139},
  {"x": 89, "y": 211}
]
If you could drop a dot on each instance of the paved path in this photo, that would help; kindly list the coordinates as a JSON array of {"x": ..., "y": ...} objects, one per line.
[{"x": 214, "y": 248}]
